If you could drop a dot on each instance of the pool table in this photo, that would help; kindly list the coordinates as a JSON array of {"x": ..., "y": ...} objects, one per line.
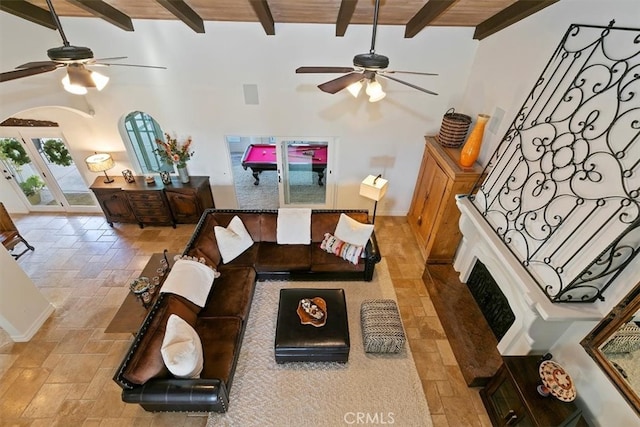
[{"x": 262, "y": 157}]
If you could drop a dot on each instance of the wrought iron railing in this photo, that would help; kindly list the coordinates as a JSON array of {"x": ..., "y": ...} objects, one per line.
[{"x": 562, "y": 188}]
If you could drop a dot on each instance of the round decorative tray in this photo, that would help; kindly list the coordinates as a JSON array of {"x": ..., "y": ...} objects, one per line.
[
  {"x": 557, "y": 381},
  {"x": 140, "y": 285}
]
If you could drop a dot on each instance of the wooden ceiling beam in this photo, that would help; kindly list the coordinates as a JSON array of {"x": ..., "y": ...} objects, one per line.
[
  {"x": 25, "y": 10},
  {"x": 426, "y": 15},
  {"x": 261, "y": 7},
  {"x": 183, "y": 12},
  {"x": 344, "y": 16},
  {"x": 512, "y": 14},
  {"x": 105, "y": 11}
]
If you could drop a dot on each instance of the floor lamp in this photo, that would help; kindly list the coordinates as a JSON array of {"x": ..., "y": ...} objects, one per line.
[{"x": 374, "y": 188}]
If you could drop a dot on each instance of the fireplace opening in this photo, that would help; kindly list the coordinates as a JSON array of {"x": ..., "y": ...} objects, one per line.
[{"x": 492, "y": 302}]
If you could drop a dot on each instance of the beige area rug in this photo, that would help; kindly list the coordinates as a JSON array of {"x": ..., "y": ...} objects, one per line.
[{"x": 369, "y": 389}]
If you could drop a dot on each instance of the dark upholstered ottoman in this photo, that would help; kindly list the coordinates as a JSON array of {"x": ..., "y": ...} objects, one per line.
[{"x": 297, "y": 342}]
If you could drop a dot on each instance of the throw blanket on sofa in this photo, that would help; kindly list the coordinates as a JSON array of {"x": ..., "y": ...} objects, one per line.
[
  {"x": 191, "y": 280},
  {"x": 294, "y": 226}
]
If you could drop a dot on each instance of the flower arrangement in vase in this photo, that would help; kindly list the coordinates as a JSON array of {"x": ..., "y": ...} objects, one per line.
[{"x": 173, "y": 152}]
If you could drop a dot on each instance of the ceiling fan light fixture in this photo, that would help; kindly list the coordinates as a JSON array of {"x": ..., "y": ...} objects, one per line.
[
  {"x": 354, "y": 88},
  {"x": 74, "y": 89},
  {"x": 377, "y": 97},
  {"x": 99, "y": 79},
  {"x": 373, "y": 88}
]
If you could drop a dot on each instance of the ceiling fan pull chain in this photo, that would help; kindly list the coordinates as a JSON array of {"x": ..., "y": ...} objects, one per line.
[
  {"x": 57, "y": 21},
  {"x": 375, "y": 26}
]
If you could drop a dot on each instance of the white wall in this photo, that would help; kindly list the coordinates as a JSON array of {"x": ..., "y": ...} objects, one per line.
[
  {"x": 200, "y": 94},
  {"x": 506, "y": 66},
  {"x": 23, "y": 309}
]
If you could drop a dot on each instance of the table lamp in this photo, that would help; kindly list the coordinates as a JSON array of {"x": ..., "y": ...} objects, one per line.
[
  {"x": 374, "y": 188},
  {"x": 100, "y": 163}
]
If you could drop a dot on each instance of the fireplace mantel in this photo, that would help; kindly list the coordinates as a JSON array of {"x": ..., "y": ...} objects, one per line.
[{"x": 539, "y": 322}]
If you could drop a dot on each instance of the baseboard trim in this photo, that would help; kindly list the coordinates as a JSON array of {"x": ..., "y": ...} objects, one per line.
[{"x": 35, "y": 326}]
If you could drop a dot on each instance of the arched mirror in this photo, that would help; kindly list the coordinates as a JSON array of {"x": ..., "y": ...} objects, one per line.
[{"x": 615, "y": 346}]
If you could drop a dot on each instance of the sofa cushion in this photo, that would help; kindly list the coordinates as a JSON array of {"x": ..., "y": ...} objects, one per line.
[
  {"x": 146, "y": 361},
  {"x": 220, "y": 341},
  {"x": 233, "y": 239},
  {"x": 232, "y": 294},
  {"x": 352, "y": 231},
  {"x": 269, "y": 227},
  {"x": 322, "y": 261},
  {"x": 181, "y": 349},
  {"x": 205, "y": 244},
  {"x": 274, "y": 257}
]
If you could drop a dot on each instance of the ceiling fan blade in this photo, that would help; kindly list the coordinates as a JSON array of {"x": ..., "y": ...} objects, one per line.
[
  {"x": 324, "y": 70},
  {"x": 80, "y": 76},
  {"x": 407, "y": 84},
  {"x": 336, "y": 85},
  {"x": 37, "y": 64},
  {"x": 407, "y": 72},
  {"x": 113, "y": 58},
  {"x": 128, "y": 65},
  {"x": 26, "y": 72}
]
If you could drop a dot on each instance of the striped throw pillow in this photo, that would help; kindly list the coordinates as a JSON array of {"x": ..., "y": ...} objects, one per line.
[{"x": 344, "y": 250}]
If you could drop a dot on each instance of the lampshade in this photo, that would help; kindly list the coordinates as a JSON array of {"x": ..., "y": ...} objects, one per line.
[
  {"x": 374, "y": 90},
  {"x": 99, "y": 80},
  {"x": 377, "y": 97},
  {"x": 101, "y": 162},
  {"x": 354, "y": 88},
  {"x": 74, "y": 89},
  {"x": 373, "y": 187}
]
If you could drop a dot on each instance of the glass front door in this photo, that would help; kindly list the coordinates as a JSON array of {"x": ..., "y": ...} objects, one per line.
[
  {"x": 304, "y": 174},
  {"x": 43, "y": 172}
]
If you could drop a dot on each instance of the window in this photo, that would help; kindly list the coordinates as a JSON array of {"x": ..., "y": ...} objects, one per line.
[{"x": 143, "y": 131}]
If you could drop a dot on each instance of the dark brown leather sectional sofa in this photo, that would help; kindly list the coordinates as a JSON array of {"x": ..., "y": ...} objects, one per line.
[{"x": 221, "y": 323}]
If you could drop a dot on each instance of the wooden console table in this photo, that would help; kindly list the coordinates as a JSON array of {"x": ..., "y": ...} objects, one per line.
[
  {"x": 132, "y": 313},
  {"x": 157, "y": 203}
]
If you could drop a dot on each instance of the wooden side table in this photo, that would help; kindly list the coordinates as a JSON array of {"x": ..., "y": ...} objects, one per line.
[
  {"x": 132, "y": 313},
  {"x": 511, "y": 398}
]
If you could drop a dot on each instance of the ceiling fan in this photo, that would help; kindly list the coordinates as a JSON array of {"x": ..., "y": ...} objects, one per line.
[
  {"x": 366, "y": 66},
  {"x": 76, "y": 59}
]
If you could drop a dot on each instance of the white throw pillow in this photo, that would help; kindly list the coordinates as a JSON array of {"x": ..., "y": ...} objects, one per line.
[
  {"x": 293, "y": 226},
  {"x": 182, "y": 349},
  {"x": 233, "y": 240},
  {"x": 191, "y": 280},
  {"x": 351, "y": 231}
]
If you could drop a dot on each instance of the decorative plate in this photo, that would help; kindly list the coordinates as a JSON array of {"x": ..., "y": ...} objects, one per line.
[
  {"x": 557, "y": 381},
  {"x": 139, "y": 285},
  {"x": 312, "y": 311}
]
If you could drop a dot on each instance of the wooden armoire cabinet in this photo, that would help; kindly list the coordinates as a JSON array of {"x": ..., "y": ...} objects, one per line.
[
  {"x": 433, "y": 216},
  {"x": 157, "y": 203}
]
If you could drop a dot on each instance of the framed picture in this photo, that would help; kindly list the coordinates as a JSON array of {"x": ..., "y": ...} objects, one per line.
[
  {"x": 166, "y": 177},
  {"x": 128, "y": 176}
]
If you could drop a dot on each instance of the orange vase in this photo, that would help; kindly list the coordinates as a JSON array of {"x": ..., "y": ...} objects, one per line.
[{"x": 471, "y": 148}]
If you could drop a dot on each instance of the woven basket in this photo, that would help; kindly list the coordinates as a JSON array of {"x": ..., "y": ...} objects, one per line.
[{"x": 454, "y": 128}]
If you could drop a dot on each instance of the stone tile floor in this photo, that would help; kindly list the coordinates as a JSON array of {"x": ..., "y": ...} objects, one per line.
[{"x": 63, "y": 375}]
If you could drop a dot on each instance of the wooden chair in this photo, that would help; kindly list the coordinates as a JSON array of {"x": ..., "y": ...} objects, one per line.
[{"x": 9, "y": 234}]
